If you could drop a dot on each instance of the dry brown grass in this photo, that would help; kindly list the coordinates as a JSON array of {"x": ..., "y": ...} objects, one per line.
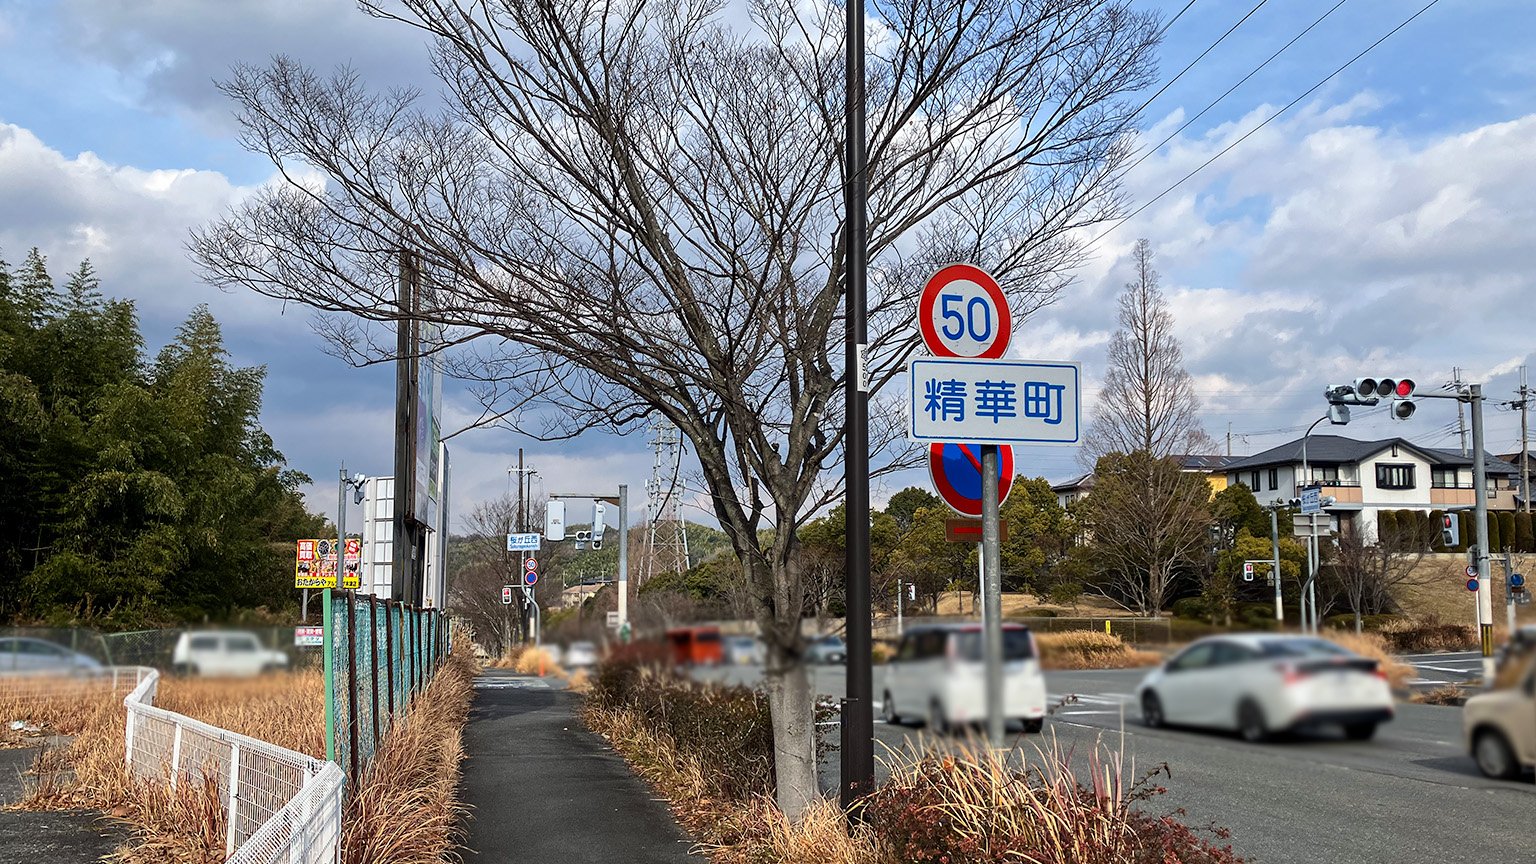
[
  {"x": 1449, "y": 694},
  {"x": 406, "y": 809},
  {"x": 1372, "y": 645},
  {"x": 1090, "y": 649},
  {"x": 50, "y": 706}
]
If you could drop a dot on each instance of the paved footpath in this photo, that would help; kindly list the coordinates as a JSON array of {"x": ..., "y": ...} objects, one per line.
[
  {"x": 546, "y": 789},
  {"x": 56, "y": 838}
]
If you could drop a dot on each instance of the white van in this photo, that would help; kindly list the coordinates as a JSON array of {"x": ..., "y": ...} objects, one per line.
[
  {"x": 938, "y": 675},
  {"x": 224, "y": 653}
]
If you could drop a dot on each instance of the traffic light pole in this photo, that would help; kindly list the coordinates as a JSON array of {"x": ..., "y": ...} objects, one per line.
[
  {"x": 1474, "y": 396},
  {"x": 1274, "y": 540}
]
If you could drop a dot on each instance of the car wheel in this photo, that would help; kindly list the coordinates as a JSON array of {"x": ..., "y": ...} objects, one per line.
[
  {"x": 1152, "y": 710},
  {"x": 1033, "y": 725},
  {"x": 937, "y": 722},
  {"x": 1359, "y": 731},
  {"x": 1250, "y": 722},
  {"x": 888, "y": 710},
  {"x": 1494, "y": 756}
]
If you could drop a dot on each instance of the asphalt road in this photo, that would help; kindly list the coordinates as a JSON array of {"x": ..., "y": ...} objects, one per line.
[{"x": 1411, "y": 795}]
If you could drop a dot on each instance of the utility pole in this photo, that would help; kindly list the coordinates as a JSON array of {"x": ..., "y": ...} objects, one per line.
[
  {"x": 1229, "y": 438},
  {"x": 858, "y": 716},
  {"x": 1461, "y": 415},
  {"x": 1274, "y": 539},
  {"x": 1525, "y": 447}
]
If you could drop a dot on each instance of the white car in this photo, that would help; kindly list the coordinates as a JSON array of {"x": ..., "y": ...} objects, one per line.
[
  {"x": 1262, "y": 684},
  {"x": 938, "y": 675},
  {"x": 224, "y": 653},
  {"x": 581, "y": 655}
]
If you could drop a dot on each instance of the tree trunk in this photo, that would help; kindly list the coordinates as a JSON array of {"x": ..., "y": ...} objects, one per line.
[
  {"x": 1359, "y": 624},
  {"x": 793, "y": 708}
]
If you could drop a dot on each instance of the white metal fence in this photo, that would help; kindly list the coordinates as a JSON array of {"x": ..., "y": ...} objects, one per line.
[{"x": 281, "y": 806}]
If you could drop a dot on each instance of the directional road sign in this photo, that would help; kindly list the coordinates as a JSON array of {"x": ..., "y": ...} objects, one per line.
[
  {"x": 956, "y": 473},
  {"x": 994, "y": 401},
  {"x": 1311, "y": 499},
  {"x": 523, "y": 542},
  {"x": 963, "y": 313}
]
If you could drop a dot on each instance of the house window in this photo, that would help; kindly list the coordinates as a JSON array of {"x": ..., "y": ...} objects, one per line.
[
  {"x": 1327, "y": 475},
  {"x": 1274, "y": 479},
  {"x": 1391, "y": 476},
  {"x": 1253, "y": 480},
  {"x": 1444, "y": 478}
]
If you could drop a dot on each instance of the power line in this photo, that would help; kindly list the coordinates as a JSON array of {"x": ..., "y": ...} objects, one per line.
[
  {"x": 1191, "y": 121},
  {"x": 1175, "y": 19},
  {"x": 1212, "y": 47},
  {"x": 1246, "y": 135}
]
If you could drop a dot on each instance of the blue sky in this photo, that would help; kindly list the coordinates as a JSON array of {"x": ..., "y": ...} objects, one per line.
[{"x": 1382, "y": 225}]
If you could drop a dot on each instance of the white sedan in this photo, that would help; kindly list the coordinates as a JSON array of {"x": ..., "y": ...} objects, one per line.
[{"x": 1262, "y": 684}]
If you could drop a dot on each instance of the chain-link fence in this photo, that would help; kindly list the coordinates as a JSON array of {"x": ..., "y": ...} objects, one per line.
[
  {"x": 280, "y": 806},
  {"x": 153, "y": 648},
  {"x": 382, "y": 654}
]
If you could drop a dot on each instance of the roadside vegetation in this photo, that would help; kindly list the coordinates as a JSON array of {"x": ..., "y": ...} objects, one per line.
[
  {"x": 404, "y": 810},
  {"x": 1090, "y": 649},
  {"x": 709, "y": 751}
]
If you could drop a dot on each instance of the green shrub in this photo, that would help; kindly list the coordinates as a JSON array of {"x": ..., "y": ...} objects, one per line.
[
  {"x": 1037, "y": 613},
  {"x": 1193, "y": 608},
  {"x": 1525, "y": 532},
  {"x": 1468, "y": 532},
  {"x": 1437, "y": 541},
  {"x": 1495, "y": 535},
  {"x": 1507, "y": 537}
]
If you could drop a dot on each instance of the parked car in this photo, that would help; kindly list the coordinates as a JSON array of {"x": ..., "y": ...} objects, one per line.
[
  {"x": 938, "y": 674},
  {"x": 581, "y": 655},
  {"x": 25, "y": 654},
  {"x": 224, "y": 653},
  {"x": 827, "y": 649},
  {"x": 744, "y": 651},
  {"x": 1262, "y": 684},
  {"x": 1500, "y": 724}
]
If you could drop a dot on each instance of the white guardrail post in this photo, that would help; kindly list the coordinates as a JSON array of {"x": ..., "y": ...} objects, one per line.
[{"x": 234, "y": 798}]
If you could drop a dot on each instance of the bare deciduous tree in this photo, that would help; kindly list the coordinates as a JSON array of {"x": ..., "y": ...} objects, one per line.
[
  {"x": 1148, "y": 401},
  {"x": 474, "y": 592},
  {"x": 1147, "y": 517},
  {"x": 1368, "y": 576},
  {"x": 639, "y": 206}
]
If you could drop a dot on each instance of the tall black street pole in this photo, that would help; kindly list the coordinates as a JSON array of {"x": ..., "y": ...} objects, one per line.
[{"x": 858, "y": 732}]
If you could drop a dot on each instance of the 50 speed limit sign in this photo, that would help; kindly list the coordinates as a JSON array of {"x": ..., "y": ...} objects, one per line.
[{"x": 962, "y": 312}]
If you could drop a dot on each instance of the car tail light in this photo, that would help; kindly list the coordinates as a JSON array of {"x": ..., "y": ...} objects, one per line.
[
  {"x": 1379, "y": 672},
  {"x": 1292, "y": 674}
]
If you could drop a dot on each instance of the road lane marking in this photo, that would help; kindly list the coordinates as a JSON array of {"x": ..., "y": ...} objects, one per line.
[{"x": 511, "y": 684}]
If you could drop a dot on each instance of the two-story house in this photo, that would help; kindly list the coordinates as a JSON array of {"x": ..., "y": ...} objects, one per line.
[
  {"x": 1366, "y": 477},
  {"x": 1211, "y": 467}
]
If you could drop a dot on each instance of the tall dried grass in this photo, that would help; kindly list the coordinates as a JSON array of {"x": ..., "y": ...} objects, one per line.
[
  {"x": 1374, "y": 646},
  {"x": 406, "y": 809},
  {"x": 1090, "y": 649},
  {"x": 50, "y": 706}
]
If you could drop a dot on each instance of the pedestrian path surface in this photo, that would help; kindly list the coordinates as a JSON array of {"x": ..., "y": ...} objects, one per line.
[
  {"x": 72, "y": 837},
  {"x": 546, "y": 789}
]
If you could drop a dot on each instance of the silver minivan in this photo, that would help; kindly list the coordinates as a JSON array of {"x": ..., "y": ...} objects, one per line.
[{"x": 938, "y": 676}]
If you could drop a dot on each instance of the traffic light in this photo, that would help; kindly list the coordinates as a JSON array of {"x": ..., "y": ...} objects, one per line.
[
  {"x": 911, "y": 591},
  {"x": 1402, "y": 401},
  {"x": 1450, "y": 530}
]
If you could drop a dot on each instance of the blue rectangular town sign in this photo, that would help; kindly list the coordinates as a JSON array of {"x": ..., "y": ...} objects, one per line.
[{"x": 995, "y": 401}]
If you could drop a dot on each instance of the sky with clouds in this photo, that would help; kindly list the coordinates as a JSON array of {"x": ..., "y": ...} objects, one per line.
[{"x": 1382, "y": 225}]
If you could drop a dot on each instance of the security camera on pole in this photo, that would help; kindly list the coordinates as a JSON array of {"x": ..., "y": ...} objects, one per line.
[
  {"x": 1369, "y": 391},
  {"x": 991, "y": 404}
]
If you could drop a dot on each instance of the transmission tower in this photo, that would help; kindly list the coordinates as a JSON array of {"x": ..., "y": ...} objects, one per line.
[{"x": 667, "y": 540}]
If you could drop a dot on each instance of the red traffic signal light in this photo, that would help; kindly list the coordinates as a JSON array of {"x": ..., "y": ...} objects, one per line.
[{"x": 1404, "y": 388}]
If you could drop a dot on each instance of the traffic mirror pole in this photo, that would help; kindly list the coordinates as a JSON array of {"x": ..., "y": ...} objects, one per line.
[{"x": 992, "y": 593}]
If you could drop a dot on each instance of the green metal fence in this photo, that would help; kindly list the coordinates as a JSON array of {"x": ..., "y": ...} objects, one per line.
[{"x": 379, "y": 654}]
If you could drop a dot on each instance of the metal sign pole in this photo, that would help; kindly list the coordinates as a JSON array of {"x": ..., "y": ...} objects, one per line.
[
  {"x": 1274, "y": 539},
  {"x": 992, "y": 594}
]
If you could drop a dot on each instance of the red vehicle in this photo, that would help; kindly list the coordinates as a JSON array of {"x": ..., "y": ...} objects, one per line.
[{"x": 696, "y": 646}]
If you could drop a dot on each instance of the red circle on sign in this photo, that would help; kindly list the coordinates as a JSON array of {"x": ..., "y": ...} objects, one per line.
[
  {"x": 962, "y": 501},
  {"x": 946, "y": 276},
  {"x": 531, "y": 565}
]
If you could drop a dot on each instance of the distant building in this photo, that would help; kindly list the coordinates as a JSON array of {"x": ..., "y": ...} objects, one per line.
[
  {"x": 1367, "y": 477},
  {"x": 578, "y": 594},
  {"x": 1212, "y": 467}
]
